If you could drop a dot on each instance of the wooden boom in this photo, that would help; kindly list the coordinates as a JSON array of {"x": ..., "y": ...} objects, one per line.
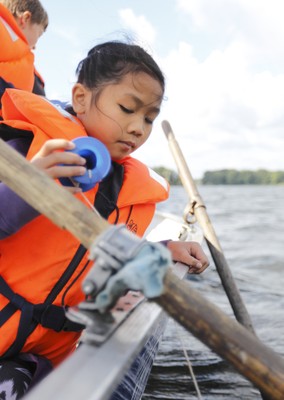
[{"x": 260, "y": 364}]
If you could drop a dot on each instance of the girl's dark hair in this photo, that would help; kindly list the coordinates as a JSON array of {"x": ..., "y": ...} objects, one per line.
[{"x": 111, "y": 61}]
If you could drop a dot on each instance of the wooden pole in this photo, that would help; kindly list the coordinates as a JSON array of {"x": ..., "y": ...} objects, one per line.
[
  {"x": 211, "y": 238},
  {"x": 226, "y": 337}
]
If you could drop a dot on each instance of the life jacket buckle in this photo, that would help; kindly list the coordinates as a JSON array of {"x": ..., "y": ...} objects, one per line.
[{"x": 52, "y": 317}]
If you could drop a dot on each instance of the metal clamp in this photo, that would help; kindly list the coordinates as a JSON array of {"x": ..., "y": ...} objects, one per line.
[
  {"x": 188, "y": 214},
  {"x": 111, "y": 251}
]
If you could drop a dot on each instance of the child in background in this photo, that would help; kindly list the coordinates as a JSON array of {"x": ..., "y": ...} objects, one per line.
[
  {"x": 116, "y": 99},
  {"x": 22, "y": 22}
]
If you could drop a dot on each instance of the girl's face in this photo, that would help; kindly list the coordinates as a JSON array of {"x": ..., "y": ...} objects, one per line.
[{"x": 123, "y": 114}]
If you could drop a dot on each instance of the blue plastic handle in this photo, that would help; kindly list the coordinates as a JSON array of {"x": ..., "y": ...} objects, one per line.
[{"x": 98, "y": 163}]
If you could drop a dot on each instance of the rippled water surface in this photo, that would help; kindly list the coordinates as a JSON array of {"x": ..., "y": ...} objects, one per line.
[{"x": 249, "y": 222}]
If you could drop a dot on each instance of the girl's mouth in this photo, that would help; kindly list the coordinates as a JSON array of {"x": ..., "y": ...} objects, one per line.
[{"x": 128, "y": 145}]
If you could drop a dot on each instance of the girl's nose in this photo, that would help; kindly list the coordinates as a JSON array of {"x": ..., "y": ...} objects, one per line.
[{"x": 136, "y": 127}]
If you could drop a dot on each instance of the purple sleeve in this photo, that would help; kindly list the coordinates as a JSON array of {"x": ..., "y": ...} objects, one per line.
[{"x": 14, "y": 211}]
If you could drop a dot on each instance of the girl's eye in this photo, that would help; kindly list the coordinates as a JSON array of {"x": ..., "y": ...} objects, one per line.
[
  {"x": 126, "y": 110},
  {"x": 149, "y": 121}
]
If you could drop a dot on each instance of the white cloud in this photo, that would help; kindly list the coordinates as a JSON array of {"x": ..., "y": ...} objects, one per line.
[
  {"x": 223, "y": 114},
  {"x": 224, "y": 66},
  {"x": 142, "y": 28},
  {"x": 227, "y": 110},
  {"x": 258, "y": 24}
]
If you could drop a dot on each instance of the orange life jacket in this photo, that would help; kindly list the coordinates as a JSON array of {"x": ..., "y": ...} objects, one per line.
[
  {"x": 42, "y": 262},
  {"x": 16, "y": 57}
]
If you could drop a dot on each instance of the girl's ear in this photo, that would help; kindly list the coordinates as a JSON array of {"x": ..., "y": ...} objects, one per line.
[{"x": 79, "y": 98}]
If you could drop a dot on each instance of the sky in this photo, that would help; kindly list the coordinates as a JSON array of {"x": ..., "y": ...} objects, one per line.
[{"x": 224, "y": 66}]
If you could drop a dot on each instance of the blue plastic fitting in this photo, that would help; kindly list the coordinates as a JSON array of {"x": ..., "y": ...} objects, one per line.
[{"x": 98, "y": 163}]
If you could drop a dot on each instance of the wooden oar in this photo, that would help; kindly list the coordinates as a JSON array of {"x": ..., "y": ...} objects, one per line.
[
  {"x": 211, "y": 238},
  {"x": 198, "y": 208},
  {"x": 230, "y": 340}
]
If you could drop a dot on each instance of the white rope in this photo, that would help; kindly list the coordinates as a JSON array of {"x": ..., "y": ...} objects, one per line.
[
  {"x": 188, "y": 362},
  {"x": 76, "y": 184},
  {"x": 89, "y": 203}
]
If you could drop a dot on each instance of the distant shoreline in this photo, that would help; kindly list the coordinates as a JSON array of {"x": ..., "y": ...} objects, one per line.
[{"x": 228, "y": 177}]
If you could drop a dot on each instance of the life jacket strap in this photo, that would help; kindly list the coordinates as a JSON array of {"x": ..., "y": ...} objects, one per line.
[
  {"x": 53, "y": 317},
  {"x": 48, "y": 315}
]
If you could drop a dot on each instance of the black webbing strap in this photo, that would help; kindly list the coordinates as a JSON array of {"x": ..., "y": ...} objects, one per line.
[
  {"x": 17, "y": 302},
  {"x": 53, "y": 317},
  {"x": 48, "y": 315}
]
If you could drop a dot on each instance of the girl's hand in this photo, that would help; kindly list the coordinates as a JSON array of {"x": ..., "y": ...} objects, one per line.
[
  {"x": 52, "y": 154},
  {"x": 189, "y": 253}
]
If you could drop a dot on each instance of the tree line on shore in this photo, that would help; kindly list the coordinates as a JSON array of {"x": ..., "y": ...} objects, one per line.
[{"x": 228, "y": 177}]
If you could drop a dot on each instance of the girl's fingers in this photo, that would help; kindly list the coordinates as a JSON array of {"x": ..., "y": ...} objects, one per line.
[
  {"x": 57, "y": 163},
  {"x": 196, "y": 269},
  {"x": 189, "y": 253},
  {"x": 54, "y": 145},
  {"x": 65, "y": 158},
  {"x": 62, "y": 157},
  {"x": 63, "y": 171}
]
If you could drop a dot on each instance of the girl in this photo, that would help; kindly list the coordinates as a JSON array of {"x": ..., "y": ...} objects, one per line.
[{"x": 116, "y": 99}]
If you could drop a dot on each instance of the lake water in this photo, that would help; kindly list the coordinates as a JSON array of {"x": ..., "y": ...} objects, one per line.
[{"x": 249, "y": 222}]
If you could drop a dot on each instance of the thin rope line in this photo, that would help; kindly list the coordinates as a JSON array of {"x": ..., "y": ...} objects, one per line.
[
  {"x": 188, "y": 363},
  {"x": 76, "y": 184},
  {"x": 89, "y": 203}
]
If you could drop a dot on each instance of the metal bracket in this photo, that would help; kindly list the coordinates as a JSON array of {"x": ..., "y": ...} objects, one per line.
[
  {"x": 99, "y": 327},
  {"x": 188, "y": 214},
  {"x": 111, "y": 250},
  {"x": 189, "y": 211}
]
